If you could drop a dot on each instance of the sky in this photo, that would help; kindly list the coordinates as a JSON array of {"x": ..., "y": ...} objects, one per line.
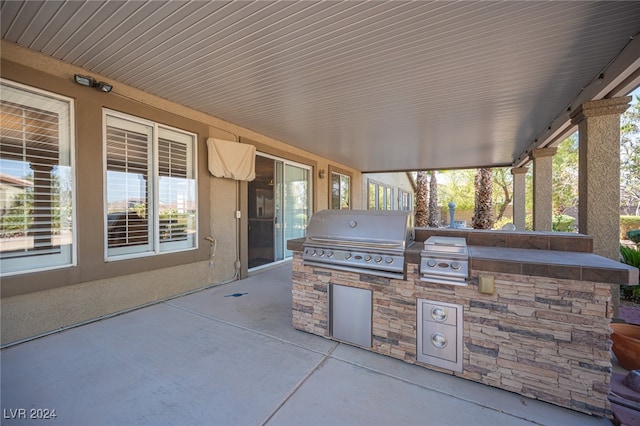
[{"x": 635, "y": 95}]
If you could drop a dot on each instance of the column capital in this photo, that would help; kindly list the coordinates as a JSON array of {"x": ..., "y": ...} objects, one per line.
[
  {"x": 613, "y": 106},
  {"x": 543, "y": 152},
  {"x": 519, "y": 170}
]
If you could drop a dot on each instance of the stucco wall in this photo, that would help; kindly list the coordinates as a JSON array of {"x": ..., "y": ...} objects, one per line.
[
  {"x": 37, "y": 303},
  {"x": 40, "y": 312}
]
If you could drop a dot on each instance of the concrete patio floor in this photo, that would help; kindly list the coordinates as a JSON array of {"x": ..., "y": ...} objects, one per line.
[{"x": 208, "y": 358}]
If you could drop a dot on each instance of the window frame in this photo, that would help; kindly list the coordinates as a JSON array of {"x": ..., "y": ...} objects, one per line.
[
  {"x": 24, "y": 264},
  {"x": 383, "y": 195},
  {"x": 335, "y": 171},
  {"x": 156, "y": 246},
  {"x": 403, "y": 196}
]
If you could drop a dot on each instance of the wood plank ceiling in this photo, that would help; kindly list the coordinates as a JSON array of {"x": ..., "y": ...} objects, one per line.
[{"x": 379, "y": 86}]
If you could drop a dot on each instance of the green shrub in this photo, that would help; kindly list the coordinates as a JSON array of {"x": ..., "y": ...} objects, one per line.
[
  {"x": 630, "y": 256},
  {"x": 628, "y": 223},
  {"x": 528, "y": 222},
  {"x": 634, "y": 235},
  {"x": 563, "y": 223}
]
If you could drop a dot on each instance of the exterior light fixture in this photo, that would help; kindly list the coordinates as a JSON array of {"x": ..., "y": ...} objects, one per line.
[
  {"x": 91, "y": 82},
  {"x": 321, "y": 174},
  {"x": 104, "y": 87},
  {"x": 84, "y": 81}
]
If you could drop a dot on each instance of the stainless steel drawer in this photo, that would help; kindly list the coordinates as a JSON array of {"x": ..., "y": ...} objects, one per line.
[
  {"x": 440, "y": 313},
  {"x": 439, "y": 340}
]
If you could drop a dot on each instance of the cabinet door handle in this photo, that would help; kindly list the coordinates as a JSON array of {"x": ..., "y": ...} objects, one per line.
[
  {"x": 438, "y": 340},
  {"x": 438, "y": 314}
]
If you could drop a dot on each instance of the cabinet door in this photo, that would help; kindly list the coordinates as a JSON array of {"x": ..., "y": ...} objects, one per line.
[{"x": 350, "y": 314}]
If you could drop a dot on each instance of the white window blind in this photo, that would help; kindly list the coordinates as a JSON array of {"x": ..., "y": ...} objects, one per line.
[
  {"x": 128, "y": 149},
  {"x": 151, "y": 187},
  {"x": 36, "y": 180}
]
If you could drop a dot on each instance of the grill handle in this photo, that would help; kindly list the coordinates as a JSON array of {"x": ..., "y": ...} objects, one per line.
[
  {"x": 353, "y": 243},
  {"x": 442, "y": 280}
]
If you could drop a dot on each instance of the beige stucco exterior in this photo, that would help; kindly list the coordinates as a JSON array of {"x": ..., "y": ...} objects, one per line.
[
  {"x": 599, "y": 177},
  {"x": 37, "y": 303},
  {"x": 40, "y": 312},
  {"x": 543, "y": 188}
]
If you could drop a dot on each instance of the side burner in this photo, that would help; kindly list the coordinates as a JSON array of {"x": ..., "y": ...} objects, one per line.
[{"x": 445, "y": 260}]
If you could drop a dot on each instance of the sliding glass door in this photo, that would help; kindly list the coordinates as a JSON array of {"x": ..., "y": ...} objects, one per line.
[
  {"x": 279, "y": 208},
  {"x": 296, "y": 206}
]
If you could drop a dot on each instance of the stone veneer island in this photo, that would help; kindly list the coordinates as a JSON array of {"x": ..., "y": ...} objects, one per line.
[{"x": 543, "y": 333}]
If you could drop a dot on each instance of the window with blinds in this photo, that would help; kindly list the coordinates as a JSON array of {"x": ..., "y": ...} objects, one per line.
[
  {"x": 150, "y": 187},
  {"x": 36, "y": 180}
]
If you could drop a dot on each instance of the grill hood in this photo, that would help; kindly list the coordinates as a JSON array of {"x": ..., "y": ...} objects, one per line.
[
  {"x": 363, "y": 241},
  {"x": 373, "y": 229}
]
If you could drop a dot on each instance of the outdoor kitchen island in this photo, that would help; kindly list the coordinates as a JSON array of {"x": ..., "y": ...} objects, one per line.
[{"x": 540, "y": 326}]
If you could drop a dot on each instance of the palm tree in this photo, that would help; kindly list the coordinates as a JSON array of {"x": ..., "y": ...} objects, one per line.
[
  {"x": 421, "y": 199},
  {"x": 482, "y": 213},
  {"x": 433, "y": 199}
]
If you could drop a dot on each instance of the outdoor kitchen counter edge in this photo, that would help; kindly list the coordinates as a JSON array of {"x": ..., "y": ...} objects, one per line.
[{"x": 577, "y": 266}]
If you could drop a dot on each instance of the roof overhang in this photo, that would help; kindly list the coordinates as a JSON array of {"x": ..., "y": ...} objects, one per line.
[{"x": 377, "y": 86}]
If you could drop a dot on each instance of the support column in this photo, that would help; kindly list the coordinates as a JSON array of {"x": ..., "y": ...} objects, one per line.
[
  {"x": 519, "y": 197},
  {"x": 599, "y": 177},
  {"x": 542, "y": 188},
  {"x": 599, "y": 172}
]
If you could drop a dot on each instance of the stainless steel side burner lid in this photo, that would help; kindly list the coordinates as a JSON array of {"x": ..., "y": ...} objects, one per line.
[
  {"x": 366, "y": 241},
  {"x": 445, "y": 260}
]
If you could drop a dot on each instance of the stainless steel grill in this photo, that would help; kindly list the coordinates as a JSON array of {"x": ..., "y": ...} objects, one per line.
[
  {"x": 366, "y": 241},
  {"x": 445, "y": 260}
]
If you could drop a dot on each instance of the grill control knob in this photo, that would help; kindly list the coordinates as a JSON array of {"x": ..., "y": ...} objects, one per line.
[
  {"x": 378, "y": 259},
  {"x": 329, "y": 253},
  {"x": 438, "y": 340},
  {"x": 321, "y": 253},
  {"x": 312, "y": 252},
  {"x": 347, "y": 256},
  {"x": 389, "y": 260},
  {"x": 455, "y": 266},
  {"x": 432, "y": 263},
  {"x": 367, "y": 258}
]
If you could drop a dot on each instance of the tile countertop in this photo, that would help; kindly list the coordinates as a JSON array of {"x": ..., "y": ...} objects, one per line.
[
  {"x": 544, "y": 263},
  {"x": 553, "y": 264},
  {"x": 570, "y": 265}
]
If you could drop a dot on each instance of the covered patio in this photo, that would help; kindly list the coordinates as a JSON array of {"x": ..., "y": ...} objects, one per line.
[
  {"x": 228, "y": 355},
  {"x": 334, "y": 89}
]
